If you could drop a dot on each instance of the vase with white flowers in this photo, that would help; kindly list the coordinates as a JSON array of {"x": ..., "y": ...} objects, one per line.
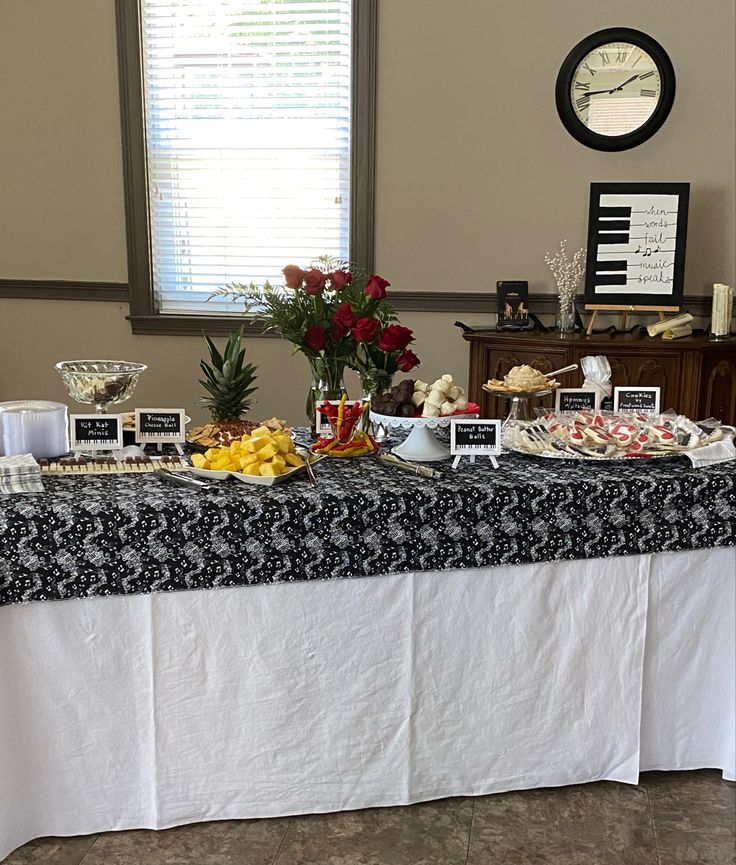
[{"x": 567, "y": 271}]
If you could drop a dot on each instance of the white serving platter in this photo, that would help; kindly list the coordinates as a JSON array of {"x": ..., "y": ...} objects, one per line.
[{"x": 267, "y": 481}]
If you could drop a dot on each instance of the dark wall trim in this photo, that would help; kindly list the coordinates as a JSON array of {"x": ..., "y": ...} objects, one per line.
[
  {"x": 41, "y": 289},
  {"x": 449, "y": 303}
]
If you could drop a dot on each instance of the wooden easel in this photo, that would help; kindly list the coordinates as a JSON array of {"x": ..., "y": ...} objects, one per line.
[{"x": 625, "y": 312}]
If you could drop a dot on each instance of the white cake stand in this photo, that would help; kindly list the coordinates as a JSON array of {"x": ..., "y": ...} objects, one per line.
[{"x": 421, "y": 444}]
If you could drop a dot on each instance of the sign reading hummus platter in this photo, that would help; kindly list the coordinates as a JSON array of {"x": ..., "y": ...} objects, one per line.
[
  {"x": 95, "y": 431},
  {"x": 160, "y": 425},
  {"x": 576, "y": 399}
]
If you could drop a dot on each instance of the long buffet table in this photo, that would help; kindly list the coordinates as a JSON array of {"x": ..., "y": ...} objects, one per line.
[{"x": 540, "y": 624}]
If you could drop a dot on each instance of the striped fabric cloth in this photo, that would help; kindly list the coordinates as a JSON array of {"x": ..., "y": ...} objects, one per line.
[{"x": 20, "y": 474}]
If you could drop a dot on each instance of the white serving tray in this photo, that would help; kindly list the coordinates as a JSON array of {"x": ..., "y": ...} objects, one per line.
[{"x": 267, "y": 481}]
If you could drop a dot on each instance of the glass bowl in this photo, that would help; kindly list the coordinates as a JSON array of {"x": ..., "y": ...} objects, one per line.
[{"x": 99, "y": 382}]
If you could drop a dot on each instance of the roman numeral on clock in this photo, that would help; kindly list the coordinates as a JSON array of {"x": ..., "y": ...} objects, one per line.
[
  {"x": 589, "y": 68},
  {"x": 621, "y": 55},
  {"x": 582, "y": 101},
  {"x": 648, "y": 92},
  {"x": 605, "y": 59},
  {"x": 582, "y": 85}
]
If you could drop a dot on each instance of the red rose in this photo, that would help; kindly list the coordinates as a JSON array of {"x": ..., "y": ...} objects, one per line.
[
  {"x": 338, "y": 330},
  {"x": 293, "y": 275},
  {"x": 314, "y": 281},
  {"x": 345, "y": 316},
  {"x": 376, "y": 287},
  {"x": 315, "y": 337},
  {"x": 395, "y": 338},
  {"x": 365, "y": 329},
  {"x": 339, "y": 279},
  {"x": 407, "y": 361}
]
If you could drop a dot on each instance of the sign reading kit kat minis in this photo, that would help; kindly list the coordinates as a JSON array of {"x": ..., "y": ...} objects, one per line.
[
  {"x": 159, "y": 425},
  {"x": 95, "y": 431},
  {"x": 636, "y": 399}
]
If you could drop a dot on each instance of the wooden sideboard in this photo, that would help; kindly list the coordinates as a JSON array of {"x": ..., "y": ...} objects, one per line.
[{"x": 697, "y": 376}]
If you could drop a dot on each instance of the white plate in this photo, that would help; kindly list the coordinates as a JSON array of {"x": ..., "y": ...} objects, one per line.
[{"x": 267, "y": 481}]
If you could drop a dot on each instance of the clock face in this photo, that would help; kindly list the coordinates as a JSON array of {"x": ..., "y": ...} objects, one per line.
[{"x": 615, "y": 88}]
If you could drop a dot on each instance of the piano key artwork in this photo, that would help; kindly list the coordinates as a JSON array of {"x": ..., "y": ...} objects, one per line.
[
  {"x": 636, "y": 244},
  {"x": 111, "y": 466}
]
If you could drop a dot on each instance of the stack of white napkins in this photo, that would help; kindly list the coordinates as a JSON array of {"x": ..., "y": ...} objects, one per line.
[
  {"x": 710, "y": 455},
  {"x": 20, "y": 474}
]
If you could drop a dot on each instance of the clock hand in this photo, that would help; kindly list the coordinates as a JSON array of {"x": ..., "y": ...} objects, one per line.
[
  {"x": 596, "y": 92},
  {"x": 628, "y": 81}
]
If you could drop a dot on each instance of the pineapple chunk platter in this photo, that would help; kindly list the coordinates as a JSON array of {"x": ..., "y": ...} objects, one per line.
[{"x": 259, "y": 457}]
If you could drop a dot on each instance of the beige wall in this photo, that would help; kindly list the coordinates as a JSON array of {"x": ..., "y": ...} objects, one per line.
[{"x": 476, "y": 177}]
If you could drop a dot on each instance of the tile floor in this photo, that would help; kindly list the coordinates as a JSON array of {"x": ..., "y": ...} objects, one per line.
[{"x": 671, "y": 818}]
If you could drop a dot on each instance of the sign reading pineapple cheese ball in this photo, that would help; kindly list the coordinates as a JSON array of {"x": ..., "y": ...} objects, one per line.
[
  {"x": 159, "y": 425},
  {"x": 95, "y": 432},
  {"x": 473, "y": 437}
]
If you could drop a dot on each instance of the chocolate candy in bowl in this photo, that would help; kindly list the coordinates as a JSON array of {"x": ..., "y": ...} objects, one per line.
[{"x": 100, "y": 382}]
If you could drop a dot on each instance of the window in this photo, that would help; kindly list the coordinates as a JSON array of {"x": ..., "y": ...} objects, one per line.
[{"x": 248, "y": 144}]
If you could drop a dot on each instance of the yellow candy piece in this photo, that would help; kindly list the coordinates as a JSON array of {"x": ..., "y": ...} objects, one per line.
[
  {"x": 285, "y": 444},
  {"x": 255, "y": 444},
  {"x": 267, "y": 452}
]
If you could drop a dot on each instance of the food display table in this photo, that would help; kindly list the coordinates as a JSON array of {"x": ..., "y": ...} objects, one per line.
[{"x": 539, "y": 624}]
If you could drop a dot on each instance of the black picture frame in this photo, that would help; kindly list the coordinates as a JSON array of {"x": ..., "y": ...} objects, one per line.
[
  {"x": 611, "y": 274},
  {"x": 563, "y": 85}
]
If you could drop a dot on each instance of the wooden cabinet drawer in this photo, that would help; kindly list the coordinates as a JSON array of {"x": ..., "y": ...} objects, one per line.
[{"x": 718, "y": 390}]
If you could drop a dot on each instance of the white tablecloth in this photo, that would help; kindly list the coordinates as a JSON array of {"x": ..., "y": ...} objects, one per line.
[{"x": 157, "y": 710}]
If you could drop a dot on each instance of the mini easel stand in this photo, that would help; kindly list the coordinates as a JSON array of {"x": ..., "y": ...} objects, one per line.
[
  {"x": 625, "y": 311},
  {"x": 471, "y": 457}
]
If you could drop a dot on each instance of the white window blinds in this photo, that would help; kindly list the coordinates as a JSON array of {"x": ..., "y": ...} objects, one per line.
[{"x": 247, "y": 107}]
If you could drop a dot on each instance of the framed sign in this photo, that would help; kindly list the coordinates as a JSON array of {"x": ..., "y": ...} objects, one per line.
[
  {"x": 513, "y": 305},
  {"x": 636, "y": 245},
  {"x": 576, "y": 399},
  {"x": 95, "y": 431},
  {"x": 324, "y": 428},
  {"x": 160, "y": 425},
  {"x": 474, "y": 437},
  {"x": 636, "y": 399}
]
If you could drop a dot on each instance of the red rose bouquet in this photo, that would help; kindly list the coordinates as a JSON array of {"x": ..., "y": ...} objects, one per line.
[{"x": 337, "y": 316}]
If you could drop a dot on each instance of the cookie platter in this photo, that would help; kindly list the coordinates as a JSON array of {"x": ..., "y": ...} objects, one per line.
[{"x": 607, "y": 436}]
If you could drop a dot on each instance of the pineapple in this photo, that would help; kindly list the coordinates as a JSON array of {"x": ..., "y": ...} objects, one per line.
[{"x": 228, "y": 383}]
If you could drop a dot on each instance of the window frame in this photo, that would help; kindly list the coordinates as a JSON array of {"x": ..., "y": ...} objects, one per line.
[{"x": 144, "y": 315}]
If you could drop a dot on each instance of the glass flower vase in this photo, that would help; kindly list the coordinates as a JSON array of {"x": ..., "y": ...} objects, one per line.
[
  {"x": 327, "y": 384},
  {"x": 565, "y": 319},
  {"x": 374, "y": 381}
]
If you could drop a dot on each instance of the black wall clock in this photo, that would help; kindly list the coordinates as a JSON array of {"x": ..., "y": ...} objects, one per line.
[{"x": 615, "y": 89}]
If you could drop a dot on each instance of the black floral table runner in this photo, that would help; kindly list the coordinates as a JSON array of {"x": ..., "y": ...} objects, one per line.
[{"x": 128, "y": 534}]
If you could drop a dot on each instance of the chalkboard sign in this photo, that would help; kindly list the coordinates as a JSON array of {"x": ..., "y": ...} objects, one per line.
[
  {"x": 576, "y": 399},
  {"x": 96, "y": 431},
  {"x": 324, "y": 428},
  {"x": 636, "y": 399},
  {"x": 472, "y": 437},
  {"x": 159, "y": 425}
]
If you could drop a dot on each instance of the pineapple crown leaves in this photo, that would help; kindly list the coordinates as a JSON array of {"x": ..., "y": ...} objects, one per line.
[{"x": 228, "y": 379}]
